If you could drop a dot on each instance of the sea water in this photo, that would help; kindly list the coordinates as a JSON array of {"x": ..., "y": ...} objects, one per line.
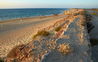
[{"x": 6, "y": 14}]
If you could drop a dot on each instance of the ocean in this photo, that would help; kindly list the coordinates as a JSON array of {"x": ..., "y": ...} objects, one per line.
[{"x": 7, "y": 14}]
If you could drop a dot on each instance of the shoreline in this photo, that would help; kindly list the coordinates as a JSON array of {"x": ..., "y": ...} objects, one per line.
[{"x": 33, "y": 17}]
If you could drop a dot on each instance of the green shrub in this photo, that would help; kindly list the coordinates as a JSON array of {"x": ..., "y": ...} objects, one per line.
[
  {"x": 58, "y": 28},
  {"x": 41, "y": 33}
]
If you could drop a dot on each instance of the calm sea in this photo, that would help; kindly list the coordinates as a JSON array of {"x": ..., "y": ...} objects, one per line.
[{"x": 6, "y": 14}]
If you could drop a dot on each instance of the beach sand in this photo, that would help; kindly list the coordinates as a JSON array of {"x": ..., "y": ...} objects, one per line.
[{"x": 20, "y": 31}]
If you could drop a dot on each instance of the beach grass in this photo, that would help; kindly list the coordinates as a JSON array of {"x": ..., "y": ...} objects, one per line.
[
  {"x": 41, "y": 33},
  {"x": 58, "y": 28}
]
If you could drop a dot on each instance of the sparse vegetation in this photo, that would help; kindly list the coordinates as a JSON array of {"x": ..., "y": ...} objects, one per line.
[
  {"x": 64, "y": 48},
  {"x": 41, "y": 33},
  {"x": 58, "y": 28},
  {"x": 93, "y": 13}
]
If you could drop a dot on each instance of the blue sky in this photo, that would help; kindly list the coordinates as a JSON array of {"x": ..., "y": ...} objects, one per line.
[{"x": 48, "y": 3}]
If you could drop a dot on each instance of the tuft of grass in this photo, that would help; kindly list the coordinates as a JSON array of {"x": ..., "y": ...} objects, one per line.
[
  {"x": 64, "y": 48},
  {"x": 94, "y": 42},
  {"x": 93, "y": 13},
  {"x": 41, "y": 33},
  {"x": 58, "y": 28},
  {"x": 1, "y": 60}
]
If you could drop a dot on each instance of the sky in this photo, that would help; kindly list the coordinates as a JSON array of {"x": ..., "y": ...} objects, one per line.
[{"x": 48, "y": 3}]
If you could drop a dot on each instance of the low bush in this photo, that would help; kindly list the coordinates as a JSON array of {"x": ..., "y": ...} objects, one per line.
[
  {"x": 41, "y": 33},
  {"x": 58, "y": 28}
]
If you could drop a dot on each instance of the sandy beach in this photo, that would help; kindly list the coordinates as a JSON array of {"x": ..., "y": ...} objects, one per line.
[
  {"x": 21, "y": 31},
  {"x": 47, "y": 39}
]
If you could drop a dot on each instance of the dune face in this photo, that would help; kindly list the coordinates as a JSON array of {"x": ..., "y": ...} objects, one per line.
[{"x": 59, "y": 38}]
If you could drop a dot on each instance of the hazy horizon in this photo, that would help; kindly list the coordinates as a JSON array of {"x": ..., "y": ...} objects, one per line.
[{"x": 48, "y": 4}]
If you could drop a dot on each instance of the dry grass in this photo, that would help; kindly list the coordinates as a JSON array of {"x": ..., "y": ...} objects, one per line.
[
  {"x": 58, "y": 28},
  {"x": 64, "y": 48},
  {"x": 41, "y": 33}
]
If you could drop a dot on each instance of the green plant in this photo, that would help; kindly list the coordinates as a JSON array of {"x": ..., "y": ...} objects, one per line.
[
  {"x": 58, "y": 28},
  {"x": 41, "y": 33}
]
